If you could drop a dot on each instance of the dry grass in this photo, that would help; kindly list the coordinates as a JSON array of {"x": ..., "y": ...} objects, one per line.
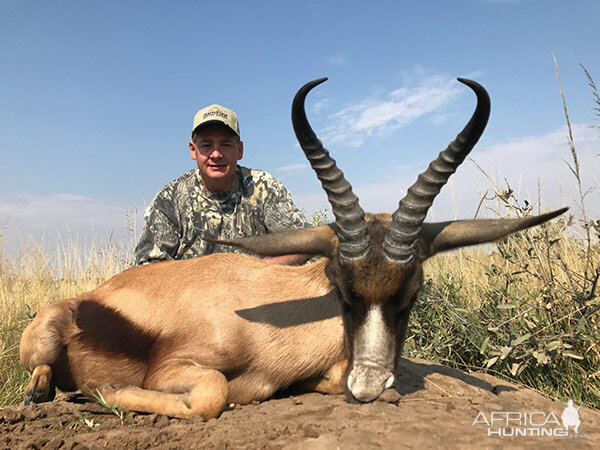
[
  {"x": 37, "y": 277},
  {"x": 522, "y": 310}
]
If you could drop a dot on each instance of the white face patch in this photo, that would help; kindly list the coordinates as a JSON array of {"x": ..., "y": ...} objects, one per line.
[
  {"x": 373, "y": 361},
  {"x": 373, "y": 343}
]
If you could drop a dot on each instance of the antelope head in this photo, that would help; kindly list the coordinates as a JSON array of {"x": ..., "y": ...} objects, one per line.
[{"x": 376, "y": 260}]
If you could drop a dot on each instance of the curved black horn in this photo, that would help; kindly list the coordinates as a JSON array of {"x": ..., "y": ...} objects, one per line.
[
  {"x": 401, "y": 236},
  {"x": 352, "y": 231}
]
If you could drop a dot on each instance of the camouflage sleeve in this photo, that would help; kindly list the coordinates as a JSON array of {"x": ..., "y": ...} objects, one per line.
[
  {"x": 160, "y": 237},
  {"x": 280, "y": 212}
]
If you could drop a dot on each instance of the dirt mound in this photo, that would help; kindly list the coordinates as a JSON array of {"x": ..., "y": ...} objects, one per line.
[{"x": 434, "y": 406}]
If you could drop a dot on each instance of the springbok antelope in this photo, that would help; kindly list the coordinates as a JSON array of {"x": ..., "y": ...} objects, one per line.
[{"x": 186, "y": 338}]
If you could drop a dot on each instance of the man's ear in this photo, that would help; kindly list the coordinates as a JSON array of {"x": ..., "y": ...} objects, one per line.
[
  {"x": 240, "y": 151},
  {"x": 192, "y": 150}
]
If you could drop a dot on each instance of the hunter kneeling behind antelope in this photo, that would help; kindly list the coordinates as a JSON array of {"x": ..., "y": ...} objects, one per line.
[{"x": 165, "y": 338}]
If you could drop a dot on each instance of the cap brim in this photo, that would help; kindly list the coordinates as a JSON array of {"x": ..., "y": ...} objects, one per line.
[{"x": 214, "y": 122}]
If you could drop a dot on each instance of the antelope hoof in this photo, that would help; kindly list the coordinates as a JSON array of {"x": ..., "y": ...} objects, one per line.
[{"x": 40, "y": 389}]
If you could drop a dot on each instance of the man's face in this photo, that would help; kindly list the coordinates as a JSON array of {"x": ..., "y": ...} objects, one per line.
[{"x": 216, "y": 151}]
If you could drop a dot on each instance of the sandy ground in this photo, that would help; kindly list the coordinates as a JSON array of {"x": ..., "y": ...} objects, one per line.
[{"x": 434, "y": 407}]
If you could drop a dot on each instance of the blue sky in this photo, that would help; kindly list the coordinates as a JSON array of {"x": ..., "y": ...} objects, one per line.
[{"x": 97, "y": 98}]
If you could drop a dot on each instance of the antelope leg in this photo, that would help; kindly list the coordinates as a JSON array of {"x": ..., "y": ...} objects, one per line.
[
  {"x": 328, "y": 383},
  {"x": 40, "y": 388},
  {"x": 180, "y": 390}
]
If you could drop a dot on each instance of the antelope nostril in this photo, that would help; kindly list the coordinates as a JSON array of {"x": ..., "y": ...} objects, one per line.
[
  {"x": 390, "y": 382},
  {"x": 350, "y": 381}
]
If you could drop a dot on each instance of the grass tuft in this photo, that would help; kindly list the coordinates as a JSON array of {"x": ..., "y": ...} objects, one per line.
[{"x": 112, "y": 408}]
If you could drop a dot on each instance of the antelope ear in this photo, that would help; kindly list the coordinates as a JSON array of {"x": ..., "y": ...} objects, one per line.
[
  {"x": 320, "y": 240},
  {"x": 438, "y": 237}
]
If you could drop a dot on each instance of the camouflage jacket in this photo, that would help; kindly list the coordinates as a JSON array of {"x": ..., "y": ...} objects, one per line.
[{"x": 184, "y": 211}]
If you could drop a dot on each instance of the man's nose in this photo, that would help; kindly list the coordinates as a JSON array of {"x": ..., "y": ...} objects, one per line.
[{"x": 215, "y": 153}]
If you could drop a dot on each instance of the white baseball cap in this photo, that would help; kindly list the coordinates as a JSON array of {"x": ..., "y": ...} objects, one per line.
[{"x": 217, "y": 114}]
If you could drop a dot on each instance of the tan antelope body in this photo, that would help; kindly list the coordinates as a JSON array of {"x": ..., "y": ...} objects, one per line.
[
  {"x": 168, "y": 317},
  {"x": 184, "y": 338}
]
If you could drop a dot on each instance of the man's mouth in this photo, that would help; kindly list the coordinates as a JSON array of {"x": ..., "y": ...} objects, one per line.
[{"x": 217, "y": 166}]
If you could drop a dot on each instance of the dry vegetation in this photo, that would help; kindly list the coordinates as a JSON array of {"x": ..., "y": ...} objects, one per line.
[
  {"x": 526, "y": 308},
  {"x": 36, "y": 277}
]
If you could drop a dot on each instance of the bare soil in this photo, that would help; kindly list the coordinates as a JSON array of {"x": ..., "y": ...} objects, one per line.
[{"x": 434, "y": 406}]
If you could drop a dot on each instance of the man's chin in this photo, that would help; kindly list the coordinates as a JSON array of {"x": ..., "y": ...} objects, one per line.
[{"x": 217, "y": 180}]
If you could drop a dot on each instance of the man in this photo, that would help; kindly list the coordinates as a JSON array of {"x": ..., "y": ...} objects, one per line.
[{"x": 219, "y": 199}]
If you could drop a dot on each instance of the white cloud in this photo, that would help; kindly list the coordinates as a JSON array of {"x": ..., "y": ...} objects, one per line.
[
  {"x": 522, "y": 162},
  {"x": 293, "y": 168},
  {"x": 354, "y": 123},
  {"x": 320, "y": 106},
  {"x": 439, "y": 118},
  {"x": 48, "y": 216},
  {"x": 316, "y": 7},
  {"x": 339, "y": 60},
  {"x": 415, "y": 73}
]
